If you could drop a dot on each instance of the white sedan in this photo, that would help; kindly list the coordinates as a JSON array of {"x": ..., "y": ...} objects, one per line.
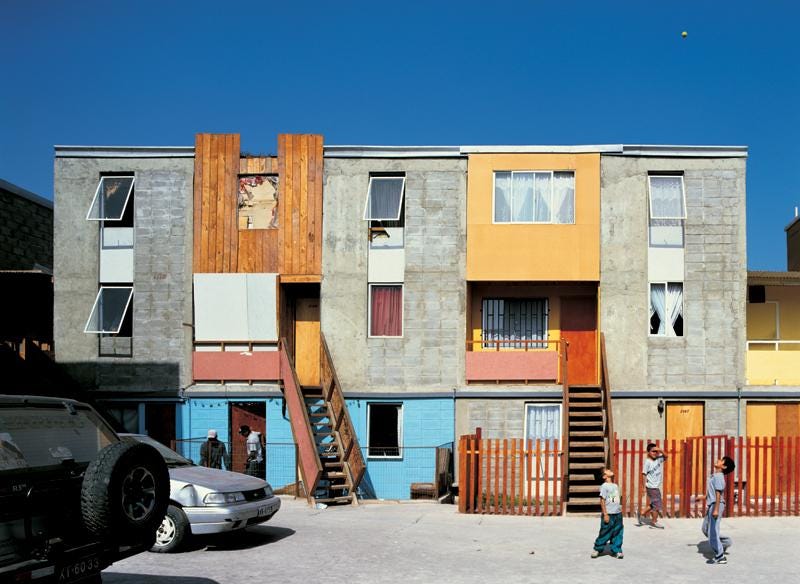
[{"x": 207, "y": 500}]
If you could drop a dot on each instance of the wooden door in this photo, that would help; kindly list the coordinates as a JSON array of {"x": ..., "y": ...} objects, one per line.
[
  {"x": 306, "y": 339},
  {"x": 579, "y": 329},
  {"x": 687, "y": 420},
  {"x": 253, "y": 414},
  {"x": 159, "y": 422},
  {"x": 787, "y": 420}
]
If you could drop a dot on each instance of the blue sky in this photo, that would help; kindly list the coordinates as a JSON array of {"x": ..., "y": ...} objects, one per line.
[{"x": 557, "y": 72}]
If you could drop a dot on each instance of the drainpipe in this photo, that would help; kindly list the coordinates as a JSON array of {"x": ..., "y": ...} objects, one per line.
[{"x": 738, "y": 411}]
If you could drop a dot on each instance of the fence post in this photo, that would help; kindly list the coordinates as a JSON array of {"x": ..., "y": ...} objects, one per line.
[
  {"x": 685, "y": 490},
  {"x": 477, "y": 502},
  {"x": 462, "y": 475},
  {"x": 729, "y": 451}
]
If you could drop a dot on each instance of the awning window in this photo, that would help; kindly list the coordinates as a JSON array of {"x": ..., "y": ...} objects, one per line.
[
  {"x": 384, "y": 198},
  {"x": 111, "y": 198},
  {"x": 109, "y": 310}
]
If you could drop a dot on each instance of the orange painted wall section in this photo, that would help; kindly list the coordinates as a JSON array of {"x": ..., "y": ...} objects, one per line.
[
  {"x": 235, "y": 366},
  {"x": 525, "y": 252}
]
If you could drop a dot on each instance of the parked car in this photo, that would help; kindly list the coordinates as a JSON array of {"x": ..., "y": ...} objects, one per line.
[
  {"x": 74, "y": 498},
  {"x": 207, "y": 500}
]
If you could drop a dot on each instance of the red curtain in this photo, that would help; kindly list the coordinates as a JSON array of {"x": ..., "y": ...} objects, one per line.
[{"x": 387, "y": 311}]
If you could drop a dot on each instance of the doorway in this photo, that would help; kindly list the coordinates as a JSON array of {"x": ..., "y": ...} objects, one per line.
[
  {"x": 253, "y": 414},
  {"x": 307, "y": 341},
  {"x": 159, "y": 422},
  {"x": 579, "y": 329}
]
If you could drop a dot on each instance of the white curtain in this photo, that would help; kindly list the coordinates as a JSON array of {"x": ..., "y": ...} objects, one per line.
[
  {"x": 658, "y": 305},
  {"x": 563, "y": 197},
  {"x": 674, "y": 302},
  {"x": 544, "y": 422},
  {"x": 502, "y": 197},
  {"x": 666, "y": 197},
  {"x": 522, "y": 207},
  {"x": 544, "y": 193}
]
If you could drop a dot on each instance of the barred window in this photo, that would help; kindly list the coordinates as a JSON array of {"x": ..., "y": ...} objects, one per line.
[{"x": 510, "y": 322}]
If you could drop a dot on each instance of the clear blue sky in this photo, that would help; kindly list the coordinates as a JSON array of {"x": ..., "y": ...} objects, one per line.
[{"x": 152, "y": 72}]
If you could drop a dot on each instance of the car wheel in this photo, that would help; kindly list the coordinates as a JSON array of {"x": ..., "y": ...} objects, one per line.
[
  {"x": 173, "y": 530},
  {"x": 125, "y": 493}
]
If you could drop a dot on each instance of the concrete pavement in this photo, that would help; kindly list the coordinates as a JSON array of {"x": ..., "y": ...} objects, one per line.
[{"x": 422, "y": 542}]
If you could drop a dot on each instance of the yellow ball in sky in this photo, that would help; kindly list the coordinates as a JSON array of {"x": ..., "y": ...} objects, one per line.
[{"x": 684, "y": 34}]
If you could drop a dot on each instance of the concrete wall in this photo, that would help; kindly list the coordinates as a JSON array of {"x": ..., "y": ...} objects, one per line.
[
  {"x": 710, "y": 355},
  {"x": 162, "y": 300},
  {"x": 26, "y": 230},
  {"x": 430, "y": 355}
]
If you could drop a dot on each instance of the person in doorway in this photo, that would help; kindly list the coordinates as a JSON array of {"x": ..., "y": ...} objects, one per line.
[
  {"x": 652, "y": 480},
  {"x": 611, "y": 520},
  {"x": 213, "y": 452},
  {"x": 715, "y": 509},
  {"x": 255, "y": 451}
]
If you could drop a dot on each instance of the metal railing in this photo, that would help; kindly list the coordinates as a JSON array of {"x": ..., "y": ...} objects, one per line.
[{"x": 776, "y": 344}]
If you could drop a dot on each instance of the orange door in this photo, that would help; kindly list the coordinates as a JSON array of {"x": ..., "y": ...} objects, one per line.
[
  {"x": 687, "y": 420},
  {"x": 306, "y": 339},
  {"x": 579, "y": 329}
]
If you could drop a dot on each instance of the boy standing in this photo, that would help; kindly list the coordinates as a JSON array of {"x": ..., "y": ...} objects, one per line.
[
  {"x": 715, "y": 507},
  {"x": 611, "y": 520},
  {"x": 652, "y": 479}
]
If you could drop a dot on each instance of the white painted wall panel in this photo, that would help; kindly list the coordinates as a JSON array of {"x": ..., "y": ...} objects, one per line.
[
  {"x": 262, "y": 307},
  {"x": 665, "y": 264},
  {"x": 116, "y": 266},
  {"x": 386, "y": 265},
  {"x": 220, "y": 307}
]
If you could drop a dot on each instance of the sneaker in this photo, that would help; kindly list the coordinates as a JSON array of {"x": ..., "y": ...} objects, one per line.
[
  {"x": 656, "y": 526},
  {"x": 722, "y": 560},
  {"x": 619, "y": 555},
  {"x": 595, "y": 554}
]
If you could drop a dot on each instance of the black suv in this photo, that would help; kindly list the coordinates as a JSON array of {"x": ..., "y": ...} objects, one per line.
[{"x": 74, "y": 498}]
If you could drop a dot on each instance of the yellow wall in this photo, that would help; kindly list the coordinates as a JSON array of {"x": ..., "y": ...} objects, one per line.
[
  {"x": 765, "y": 365},
  {"x": 515, "y": 252}
]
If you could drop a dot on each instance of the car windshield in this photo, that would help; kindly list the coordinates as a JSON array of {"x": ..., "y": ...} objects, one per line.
[
  {"x": 36, "y": 436},
  {"x": 171, "y": 457}
]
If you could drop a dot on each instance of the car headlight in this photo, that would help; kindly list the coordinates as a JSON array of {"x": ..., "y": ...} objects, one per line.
[
  {"x": 223, "y": 498},
  {"x": 268, "y": 491}
]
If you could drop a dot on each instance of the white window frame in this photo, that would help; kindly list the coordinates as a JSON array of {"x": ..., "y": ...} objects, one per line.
[
  {"x": 399, "y": 431},
  {"x": 542, "y": 405},
  {"x": 399, "y": 206},
  {"x": 97, "y": 194},
  {"x": 402, "y": 310},
  {"x": 552, "y": 182},
  {"x": 650, "y": 178},
  {"x": 94, "y": 307},
  {"x": 669, "y": 332}
]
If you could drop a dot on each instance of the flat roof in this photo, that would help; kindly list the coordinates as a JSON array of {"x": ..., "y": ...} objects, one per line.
[
  {"x": 792, "y": 223},
  {"x": 25, "y": 194},
  {"x": 124, "y": 151}
]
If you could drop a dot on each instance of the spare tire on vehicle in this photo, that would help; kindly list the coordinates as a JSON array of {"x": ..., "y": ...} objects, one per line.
[{"x": 125, "y": 493}]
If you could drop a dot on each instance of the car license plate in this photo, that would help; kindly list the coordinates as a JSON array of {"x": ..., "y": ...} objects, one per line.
[
  {"x": 79, "y": 569},
  {"x": 262, "y": 511}
]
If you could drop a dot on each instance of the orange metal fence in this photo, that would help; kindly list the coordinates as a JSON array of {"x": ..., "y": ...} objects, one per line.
[{"x": 510, "y": 476}]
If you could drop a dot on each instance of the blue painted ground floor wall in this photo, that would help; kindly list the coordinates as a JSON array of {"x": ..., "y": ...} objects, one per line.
[{"x": 427, "y": 423}]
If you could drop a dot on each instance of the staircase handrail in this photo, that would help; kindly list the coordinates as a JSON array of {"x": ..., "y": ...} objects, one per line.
[
  {"x": 565, "y": 423},
  {"x": 605, "y": 388},
  {"x": 303, "y": 436},
  {"x": 352, "y": 455}
]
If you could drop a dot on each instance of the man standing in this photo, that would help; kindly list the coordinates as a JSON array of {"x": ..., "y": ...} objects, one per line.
[
  {"x": 212, "y": 452},
  {"x": 255, "y": 452},
  {"x": 652, "y": 479}
]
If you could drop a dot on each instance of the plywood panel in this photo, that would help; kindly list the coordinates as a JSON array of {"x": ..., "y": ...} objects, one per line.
[
  {"x": 684, "y": 420},
  {"x": 307, "y": 343},
  {"x": 220, "y": 307},
  {"x": 262, "y": 308},
  {"x": 787, "y": 421}
]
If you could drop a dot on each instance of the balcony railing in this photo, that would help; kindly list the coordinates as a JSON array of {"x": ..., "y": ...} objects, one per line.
[
  {"x": 514, "y": 360},
  {"x": 773, "y": 362},
  {"x": 244, "y": 361}
]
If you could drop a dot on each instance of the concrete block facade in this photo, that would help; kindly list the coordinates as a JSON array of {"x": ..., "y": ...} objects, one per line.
[
  {"x": 710, "y": 355},
  {"x": 430, "y": 355},
  {"x": 162, "y": 300},
  {"x": 26, "y": 229}
]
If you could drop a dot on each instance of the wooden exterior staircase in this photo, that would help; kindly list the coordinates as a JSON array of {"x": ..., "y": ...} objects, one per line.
[
  {"x": 588, "y": 445},
  {"x": 329, "y": 456}
]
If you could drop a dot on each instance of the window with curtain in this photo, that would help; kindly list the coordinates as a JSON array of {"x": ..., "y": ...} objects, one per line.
[
  {"x": 667, "y": 211},
  {"x": 386, "y": 310},
  {"x": 513, "y": 320},
  {"x": 384, "y": 198},
  {"x": 534, "y": 197},
  {"x": 666, "y": 309}
]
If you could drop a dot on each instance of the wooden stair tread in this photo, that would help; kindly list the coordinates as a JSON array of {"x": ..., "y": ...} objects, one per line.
[
  {"x": 586, "y": 414},
  {"x": 582, "y": 477},
  {"x": 583, "y": 501},
  {"x": 587, "y": 444},
  {"x": 586, "y": 405},
  {"x": 317, "y": 414},
  {"x": 333, "y": 463},
  {"x": 334, "y": 475},
  {"x": 586, "y": 465},
  {"x": 594, "y": 396},
  {"x": 595, "y": 454},
  {"x": 587, "y": 433},
  {"x": 584, "y": 489},
  {"x": 587, "y": 424},
  {"x": 342, "y": 499}
]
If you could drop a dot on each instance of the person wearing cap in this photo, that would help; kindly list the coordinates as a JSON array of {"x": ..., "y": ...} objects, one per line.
[
  {"x": 255, "y": 451},
  {"x": 213, "y": 453}
]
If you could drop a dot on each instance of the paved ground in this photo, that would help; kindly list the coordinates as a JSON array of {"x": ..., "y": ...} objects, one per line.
[{"x": 433, "y": 543}]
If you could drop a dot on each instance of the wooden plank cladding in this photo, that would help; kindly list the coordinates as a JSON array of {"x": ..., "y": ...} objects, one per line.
[
  {"x": 258, "y": 165},
  {"x": 216, "y": 235},
  {"x": 258, "y": 251},
  {"x": 300, "y": 204}
]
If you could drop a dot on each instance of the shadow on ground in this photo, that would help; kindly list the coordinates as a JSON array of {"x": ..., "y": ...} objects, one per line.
[
  {"x": 122, "y": 578},
  {"x": 251, "y": 537}
]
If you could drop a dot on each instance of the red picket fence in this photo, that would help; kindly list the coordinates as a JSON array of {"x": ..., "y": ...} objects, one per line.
[
  {"x": 510, "y": 476},
  {"x": 766, "y": 480}
]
